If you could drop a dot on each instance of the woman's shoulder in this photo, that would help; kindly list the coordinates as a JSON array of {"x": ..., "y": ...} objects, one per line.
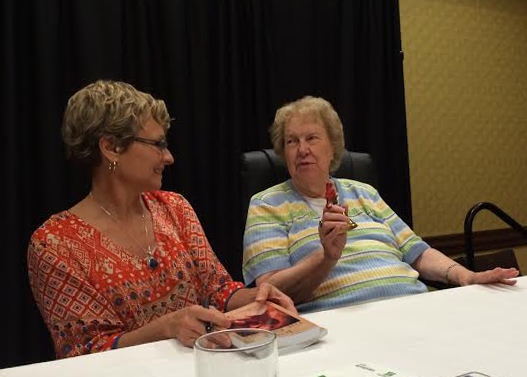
[
  {"x": 276, "y": 194},
  {"x": 59, "y": 228},
  {"x": 355, "y": 187},
  {"x": 170, "y": 200},
  {"x": 163, "y": 196},
  {"x": 57, "y": 223}
]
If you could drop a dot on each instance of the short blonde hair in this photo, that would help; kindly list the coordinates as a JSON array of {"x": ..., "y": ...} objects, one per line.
[
  {"x": 323, "y": 112},
  {"x": 107, "y": 108}
]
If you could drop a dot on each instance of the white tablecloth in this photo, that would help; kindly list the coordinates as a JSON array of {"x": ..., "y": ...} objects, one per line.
[{"x": 438, "y": 334}]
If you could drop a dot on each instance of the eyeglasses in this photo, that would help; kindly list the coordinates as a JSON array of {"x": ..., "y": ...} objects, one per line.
[{"x": 159, "y": 144}]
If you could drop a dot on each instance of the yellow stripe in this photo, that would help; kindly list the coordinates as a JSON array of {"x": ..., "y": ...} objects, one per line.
[
  {"x": 282, "y": 209},
  {"x": 304, "y": 233},
  {"x": 403, "y": 235},
  {"x": 371, "y": 225},
  {"x": 341, "y": 281},
  {"x": 363, "y": 246},
  {"x": 257, "y": 248}
]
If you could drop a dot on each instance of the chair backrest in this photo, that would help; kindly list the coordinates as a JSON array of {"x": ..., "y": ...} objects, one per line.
[{"x": 263, "y": 169}]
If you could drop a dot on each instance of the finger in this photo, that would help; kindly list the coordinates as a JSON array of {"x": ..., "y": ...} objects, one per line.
[
  {"x": 277, "y": 296},
  {"x": 217, "y": 341},
  {"x": 329, "y": 227},
  {"x": 504, "y": 273},
  {"x": 329, "y": 238},
  {"x": 284, "y": 301},
  {"x": 337, "y": 230},
  {"x": 263, "y": 293},
  {"x": 212, "y": 315},
  {"x": 511, "y": 272},
  {"x": 324, "y": 229},
  {"x": 187, "y": 342},
  {"x": 268, "y": 292},
  {"x": 497, "y": 275},
  {"x": 188, "y": 336},
  {"x": 335, "y": 208},
  {"x": 337, "y": 219},
  {"x": 195, "y": 328},
  {"x": 335, "y": 216}
]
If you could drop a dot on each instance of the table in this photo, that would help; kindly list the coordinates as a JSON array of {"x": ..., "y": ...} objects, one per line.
[{"x": 437, "y": 334}]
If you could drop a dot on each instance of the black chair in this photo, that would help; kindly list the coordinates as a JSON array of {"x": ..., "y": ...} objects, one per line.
[
  {"x": 263, "y": 169},
  {"x": 504, "y": 258}
]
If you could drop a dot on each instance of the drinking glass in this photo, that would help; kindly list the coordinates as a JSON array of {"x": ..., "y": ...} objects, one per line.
[{"x": 236, "y": 353}]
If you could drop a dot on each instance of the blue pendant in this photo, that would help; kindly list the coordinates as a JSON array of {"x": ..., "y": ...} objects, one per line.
[{"x": 152, "y": 263}]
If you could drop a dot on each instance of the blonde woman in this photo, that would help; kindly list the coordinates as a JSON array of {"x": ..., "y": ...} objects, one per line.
[{"x": 128, "y": 264}]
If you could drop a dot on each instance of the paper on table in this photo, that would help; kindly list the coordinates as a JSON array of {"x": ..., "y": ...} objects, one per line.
[{"x": 361, "y": 370}]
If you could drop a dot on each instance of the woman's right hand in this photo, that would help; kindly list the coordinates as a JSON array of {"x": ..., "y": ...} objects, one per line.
[
  {"x": 333, "y": 230},
  {"x": 188, "y": 324}
]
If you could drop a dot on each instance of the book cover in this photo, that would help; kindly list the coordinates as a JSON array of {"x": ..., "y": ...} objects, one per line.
[{"x": 293, "y": 332}]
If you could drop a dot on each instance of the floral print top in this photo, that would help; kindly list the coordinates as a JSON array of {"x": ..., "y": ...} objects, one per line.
[{"x": 90, "y": 290}]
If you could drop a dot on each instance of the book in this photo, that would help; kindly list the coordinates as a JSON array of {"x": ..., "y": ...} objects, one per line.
[{"x": 293, "y": 331}]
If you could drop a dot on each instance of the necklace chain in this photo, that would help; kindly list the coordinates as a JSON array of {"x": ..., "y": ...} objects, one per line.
[{"x": 149, "y": 250}]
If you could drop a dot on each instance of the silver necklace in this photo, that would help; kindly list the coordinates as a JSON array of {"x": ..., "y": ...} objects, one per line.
[{"x": 151, "y": 262}]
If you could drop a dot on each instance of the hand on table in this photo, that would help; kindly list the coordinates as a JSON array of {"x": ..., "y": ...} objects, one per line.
[{"x": 495, "y": 276}]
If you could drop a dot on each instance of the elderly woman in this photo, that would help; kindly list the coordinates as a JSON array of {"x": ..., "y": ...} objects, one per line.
[
  {"x": 309, "y": 250},
  {"x": 128, "y": 264}
]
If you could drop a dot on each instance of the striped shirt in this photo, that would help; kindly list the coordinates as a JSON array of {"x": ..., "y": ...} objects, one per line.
[{"x": 282, "y": 229}]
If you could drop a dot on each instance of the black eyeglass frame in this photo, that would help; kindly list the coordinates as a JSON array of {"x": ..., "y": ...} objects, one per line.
[{"x": 159, "y": 144}]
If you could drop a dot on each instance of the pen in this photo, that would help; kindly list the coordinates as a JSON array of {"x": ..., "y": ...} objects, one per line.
[{"x": 209, "y": 326}]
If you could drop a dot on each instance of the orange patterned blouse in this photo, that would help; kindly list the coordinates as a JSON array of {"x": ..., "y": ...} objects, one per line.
[{"x": 90, "y": 290}]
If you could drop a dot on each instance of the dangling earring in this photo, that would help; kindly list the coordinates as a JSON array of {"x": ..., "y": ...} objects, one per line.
[{"x": 112, "y": 166}]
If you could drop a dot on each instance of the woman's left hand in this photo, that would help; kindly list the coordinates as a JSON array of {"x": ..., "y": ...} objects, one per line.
[
  {"x": 495, "y": 276},
  {"x": 268, "y": 292}
]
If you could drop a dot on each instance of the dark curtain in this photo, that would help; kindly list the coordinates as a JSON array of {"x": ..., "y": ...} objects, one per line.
[{"x": 223, "y": 68}]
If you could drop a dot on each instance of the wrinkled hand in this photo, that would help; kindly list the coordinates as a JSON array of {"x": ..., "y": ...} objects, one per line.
[
  {"x": 333, "y": 230},
  {"x": 495, "y": 276},
  {"x": 268, "y": 292},
  {"x": 188, "y": 324}
]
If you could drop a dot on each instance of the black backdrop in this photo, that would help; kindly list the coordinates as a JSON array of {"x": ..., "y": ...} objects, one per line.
[{"x": 223, "y": 67}]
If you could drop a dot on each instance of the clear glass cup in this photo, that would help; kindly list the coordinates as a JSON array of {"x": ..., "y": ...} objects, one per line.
[{"x": 236, "y": 353}]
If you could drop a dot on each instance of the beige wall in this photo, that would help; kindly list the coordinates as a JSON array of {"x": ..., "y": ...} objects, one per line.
[{"x": 466, "y": 102}]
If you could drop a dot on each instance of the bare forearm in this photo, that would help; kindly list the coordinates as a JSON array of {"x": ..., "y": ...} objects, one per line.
[
  {"x": 241, "y": 297},
  {"x": 436, "y": 266},
  {"x": 299, "y": 281}
]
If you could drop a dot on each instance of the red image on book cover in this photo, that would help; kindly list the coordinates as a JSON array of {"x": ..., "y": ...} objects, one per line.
[{"x": 271, "y": 319}]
